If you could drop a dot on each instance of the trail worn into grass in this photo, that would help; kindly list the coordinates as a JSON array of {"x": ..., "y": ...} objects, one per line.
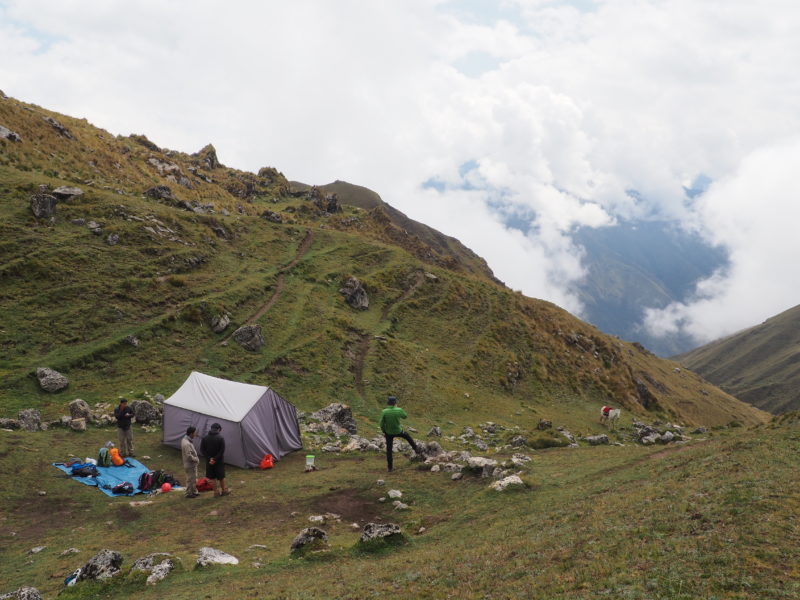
[{"x": 301, "y": 251}]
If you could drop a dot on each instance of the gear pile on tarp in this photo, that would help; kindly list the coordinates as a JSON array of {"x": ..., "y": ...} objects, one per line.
[{"x": 108, "y": 478}]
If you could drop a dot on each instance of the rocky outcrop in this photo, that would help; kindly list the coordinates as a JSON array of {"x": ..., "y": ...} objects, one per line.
[
  {"x": 340, "y": 415},
  {"x": 249, "y": 337},
  {"x": 9, "y": 135},
  {"x": 272, "y": 216},
  {"x": 311, "y": 539},
  {"x": 103, "y": 565},
  {"x": 355, "y": 294},
  {"x": 159, "y": 192},
  {"x": 51, "y": 380},
  {"x": 596, "y": 440},
  {"x": 512, "y": 481},
  {"x": 208, "y": 157},
  {"x": 157, "y": 566},
  {"x": 58, "y": 127},
  {"x": 43, "y": 206},
  {"x": 212, "y": 556}
]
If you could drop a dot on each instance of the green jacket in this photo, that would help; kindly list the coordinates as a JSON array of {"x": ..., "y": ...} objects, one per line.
[{"x": 390, "y": 420}]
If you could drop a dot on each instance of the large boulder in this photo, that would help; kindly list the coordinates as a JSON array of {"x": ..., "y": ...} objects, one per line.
[
  {"x": 339, "y": 414},
  {"x": 212, "y": 556},
  {"x": 311, "y": 539},
  {"x": 355, "y": 294},
  {"x": 103, "y": 565},
  {"x": 65, "y": 193},
  {"x": 30, "y": 419},
  {"x": 249, "y": 337},
  {"x": 145, "y": 412},
  {"x": 43, "y": 206},
  {"x": 23, "y": 593},
  {"x": 51, "y": 380},
  {"x": 79, "y": 409}
]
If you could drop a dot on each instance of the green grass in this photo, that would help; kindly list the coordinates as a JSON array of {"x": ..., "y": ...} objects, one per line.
[{"x": 712, "y": 519}]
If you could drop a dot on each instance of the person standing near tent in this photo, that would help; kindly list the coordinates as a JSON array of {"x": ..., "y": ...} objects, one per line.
[
  {"x": 123, "y": 414},
  {"x": 213, "y": 448},
  {"x": 391, "y": 428},
  {"x": 190, "y": 460}
]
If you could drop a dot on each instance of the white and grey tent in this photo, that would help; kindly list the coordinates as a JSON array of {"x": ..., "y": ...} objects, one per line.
[{"x": 255, "y": 419}]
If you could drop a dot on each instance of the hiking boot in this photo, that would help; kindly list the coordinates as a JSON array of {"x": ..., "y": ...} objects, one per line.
[{"x": 225, "y": 492}]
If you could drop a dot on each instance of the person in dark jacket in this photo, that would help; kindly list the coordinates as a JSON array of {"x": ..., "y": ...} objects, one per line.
[
  {"x": 124, "y": 414},
  {"x": 213, "y": 448},
  {"x": 391, "y": 428}
]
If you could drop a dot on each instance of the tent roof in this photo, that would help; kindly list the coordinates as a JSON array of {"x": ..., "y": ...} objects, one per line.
[{"x": 221, "y": 398}]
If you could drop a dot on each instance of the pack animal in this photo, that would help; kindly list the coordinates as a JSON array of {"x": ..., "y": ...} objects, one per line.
[{"x": 609, "y": 416}]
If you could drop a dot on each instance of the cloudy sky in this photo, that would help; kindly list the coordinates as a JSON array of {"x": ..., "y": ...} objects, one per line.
[{"x": 469, "y": 115}]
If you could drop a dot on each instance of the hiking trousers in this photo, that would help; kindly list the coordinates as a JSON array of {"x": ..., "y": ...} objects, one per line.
[
  {"x": 191, "y": 480},
  {"x": 390, "y": 444},
  {"x": 125, "y": 441}
]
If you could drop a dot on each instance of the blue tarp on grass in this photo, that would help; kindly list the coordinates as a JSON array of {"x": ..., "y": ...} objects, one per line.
[{"x": 111, "y": 476}]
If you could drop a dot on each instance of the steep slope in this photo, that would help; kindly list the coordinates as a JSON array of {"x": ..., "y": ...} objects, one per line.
[
  {"x": 118, "y": 290},
  {"x": 760, "y": 365}
]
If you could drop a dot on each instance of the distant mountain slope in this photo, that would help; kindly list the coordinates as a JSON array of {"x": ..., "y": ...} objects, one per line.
[
  {"x": 760, "y": 365},
  {"x": 637, "y": 265},
  {"x": 119, "y": 288}
]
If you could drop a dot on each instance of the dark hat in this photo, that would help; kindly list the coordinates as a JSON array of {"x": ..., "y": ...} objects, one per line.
[
  {"x": 216, "y": 427},
  {"x": 391, "y": 400},
  {"x": 190, "y": 429}
]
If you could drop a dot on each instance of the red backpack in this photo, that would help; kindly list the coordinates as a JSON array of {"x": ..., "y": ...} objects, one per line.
[{"x": 204, "y": 485}]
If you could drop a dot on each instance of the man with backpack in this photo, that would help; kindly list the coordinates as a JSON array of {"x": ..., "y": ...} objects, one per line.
[
  {"x": 124, "y": 414},
  {"x": 190, "y": 460},
  {"x": 213, "y": 448},
  {"x": 391, "y": 428}
]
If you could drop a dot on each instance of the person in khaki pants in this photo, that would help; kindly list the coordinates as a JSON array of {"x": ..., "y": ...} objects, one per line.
[
  {"x": 124, "y": 415},
  {"x": 190, "y": 460}
]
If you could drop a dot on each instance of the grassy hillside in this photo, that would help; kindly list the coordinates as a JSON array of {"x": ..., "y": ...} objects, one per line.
[
  {"x": 714, "y": 518},
  {"x": 439, "y": 332},
  {"x": 760, "y": 365}
]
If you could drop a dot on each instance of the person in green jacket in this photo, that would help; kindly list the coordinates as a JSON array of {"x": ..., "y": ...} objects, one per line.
[{"x": 391, "y": 428}]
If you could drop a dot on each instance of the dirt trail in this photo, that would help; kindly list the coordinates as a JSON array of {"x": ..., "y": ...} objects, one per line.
[
  {"x": 362, "y": 345},
  {"x": 301, "y": 250}
]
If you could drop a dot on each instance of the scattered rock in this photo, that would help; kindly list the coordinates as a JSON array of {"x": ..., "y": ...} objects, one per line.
[
  {"x": 23, "y": 593},
  {"x": 132, "y": 340},
  {"x": 544, "y": 424},
  {"x": 510, "y": 481},
  {"x": 435, "y": 432},
  {"x": 380, "y": 531},
  {"x": 457, "y": 476},
  {"x": 355, "y": 294},
  {"x": 69, "y": 551},
  {"x": 219, "y": 323},
  {"x": 78, "y": 424},
  {"x": 79, "y": 409},
  {"x": 596, "y": 440},
  {"x": 249, "y": 337},
  {"x": 311, "y": 539},
  {"x": 112, "y": 239},
  {"x": 212, "y": 556},
  {"x": 394, "y": 494},
  {"x": 30, "y": 419},
  {"x": 102, "y": 565},
  {"x": 158, "y": 565},
  {"x": 518, "y": 441},
  {"x": 51, "y": 380},
  {"x": 9, "y": 424},
  {"x": 36, "y": 549},
  {"x": 400, "y": 505},
  {"x": 272, "y": 216},
  {"x": 43, "y": 205}
]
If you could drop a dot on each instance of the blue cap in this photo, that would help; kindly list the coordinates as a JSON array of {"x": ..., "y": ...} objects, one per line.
[{"x": 392, "y": 400}]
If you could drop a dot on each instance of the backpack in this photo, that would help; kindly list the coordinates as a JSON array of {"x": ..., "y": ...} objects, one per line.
[
  {"x": 266, "y": 462},
  {"x": 171, "y": 480},
  {"x": 126, "y": 487},
  {"x": 104, "y": 458},
  {"x": 146, "y": 481},
  {"x": 84, "y": 470},
  {"x": 204, "y": 485},
  {"x": 115, "y": 457},
  {"x": 158, "y": 478}
]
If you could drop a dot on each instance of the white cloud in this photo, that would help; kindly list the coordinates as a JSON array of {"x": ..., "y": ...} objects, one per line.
[
  {"x": 561, "y": 108},
  {"x": 754, "y": 214}
]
